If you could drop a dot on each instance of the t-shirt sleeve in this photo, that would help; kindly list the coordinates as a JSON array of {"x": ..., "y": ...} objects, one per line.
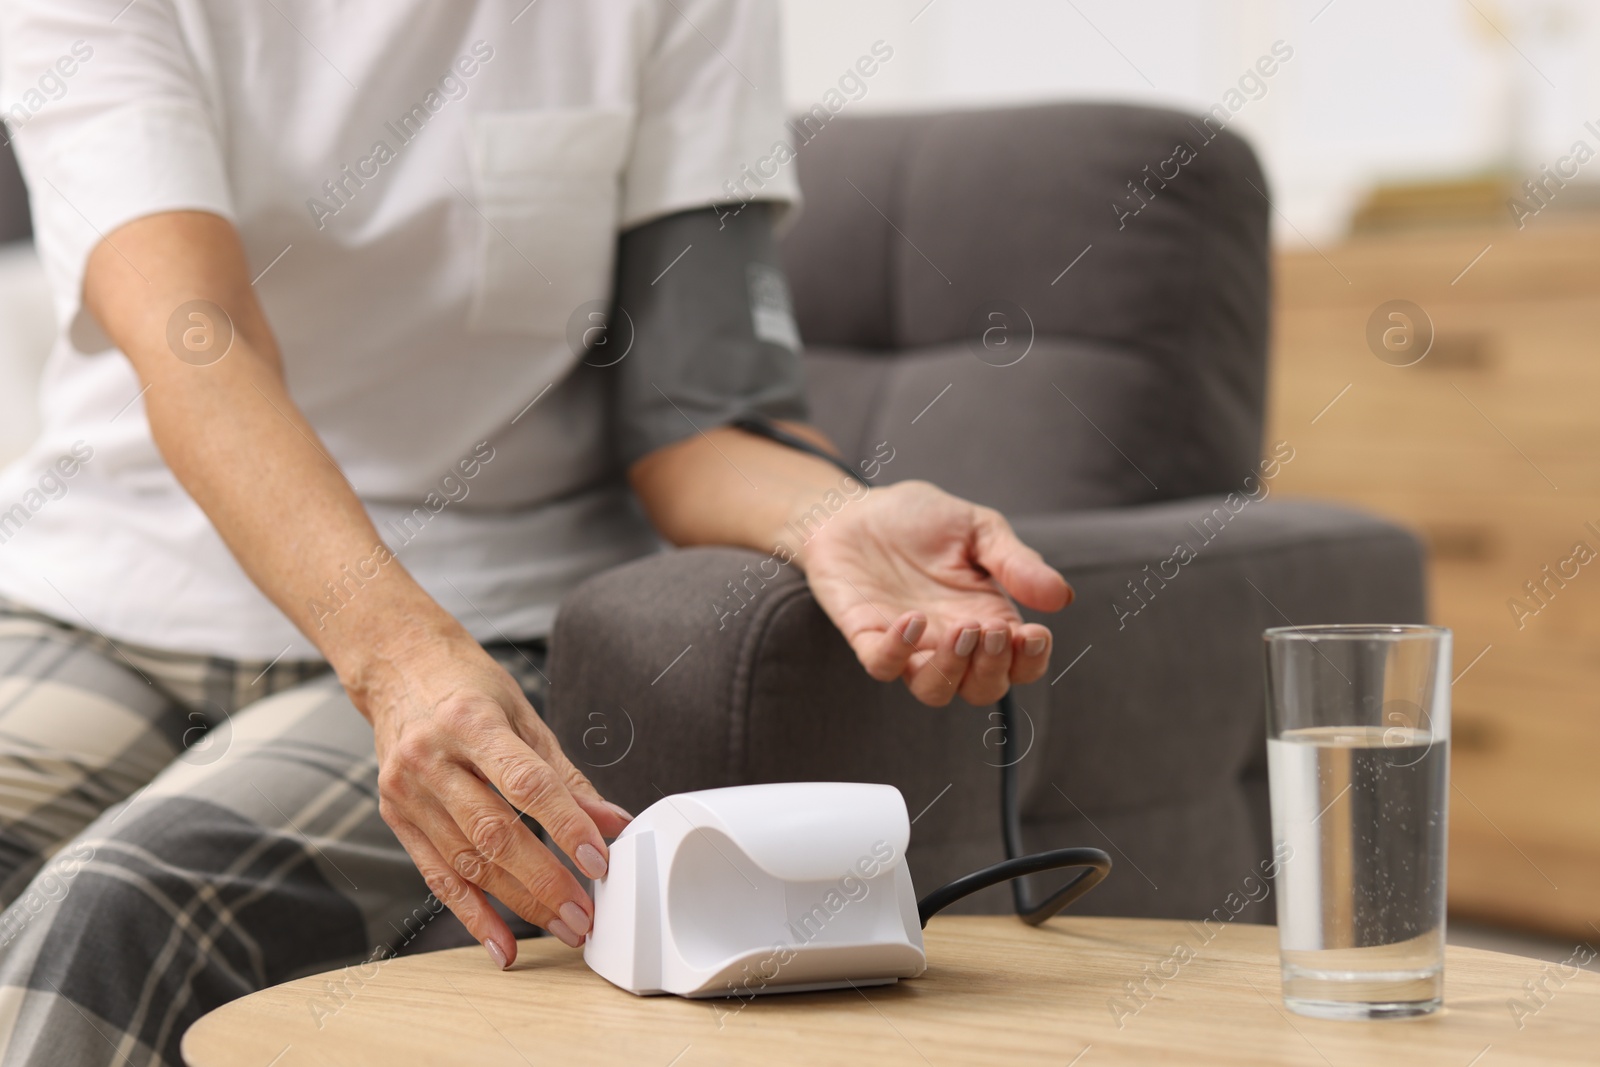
[
  {"x": 107, "y": 113},
  {"x": 711, "y": 114}
]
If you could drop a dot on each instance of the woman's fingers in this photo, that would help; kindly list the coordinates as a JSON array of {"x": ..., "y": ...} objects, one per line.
[
  {"x": 989, "y": 672},
  {"x": 1031, "y": 645},
  {"x": 571, "y": 926},
  {"x": 980, "y": 662},
  {"x": 528, "y": 725},
  {"x": 885, "y": 653},
  {"x": 463, "y": 898},
  {"x": 533, "y": 787},
  {"x": 478, "y": 834},
  {"x": 611, "y": 819},
  {"x": 570, "y": 921},
  {"x": 934, "y": 676},
  {"x": 1020, "y": 570}
]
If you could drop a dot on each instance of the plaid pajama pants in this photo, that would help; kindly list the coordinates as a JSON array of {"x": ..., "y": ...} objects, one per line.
[{"x": 177, "y": 831}]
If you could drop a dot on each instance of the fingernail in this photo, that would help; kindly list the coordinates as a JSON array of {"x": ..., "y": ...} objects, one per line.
[
  {"x": 575, "y": 917},
  {"x": 564, "y": 932},
  {"x": 966, "y": 642},
  {"x": 913, "y": 631},
  {"x": 496, "y": 953},
  {"x": 621, "y": 811},
  {"x": 589, "y": 861},
  {"x": 995, "y": 641},
  {"x": 1033, "y": 646}
]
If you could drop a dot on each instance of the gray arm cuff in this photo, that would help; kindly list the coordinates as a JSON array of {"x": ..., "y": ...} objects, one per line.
[{"x": 702, "y": 312}]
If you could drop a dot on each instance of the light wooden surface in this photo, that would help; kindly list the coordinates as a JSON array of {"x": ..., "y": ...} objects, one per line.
[
  {"x": 1489, "y": 447},
  {"x": 995, "y": 991}
]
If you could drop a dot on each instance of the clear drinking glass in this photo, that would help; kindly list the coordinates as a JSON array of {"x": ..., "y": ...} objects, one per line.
[{"x": 1358, "y": 757}]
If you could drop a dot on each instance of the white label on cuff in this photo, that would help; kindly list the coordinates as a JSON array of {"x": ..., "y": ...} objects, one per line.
[{"x": 770, "y": 311}]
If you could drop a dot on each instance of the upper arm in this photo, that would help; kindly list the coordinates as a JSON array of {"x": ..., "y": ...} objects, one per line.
[
  {"x": 174, "y": 284},
  {"x": 111, "y": 124},
  {"x": 699, "y": 292}
]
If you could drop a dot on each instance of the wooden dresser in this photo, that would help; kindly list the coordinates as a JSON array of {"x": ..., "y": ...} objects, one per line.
[{"x": 1489, "y": 447}]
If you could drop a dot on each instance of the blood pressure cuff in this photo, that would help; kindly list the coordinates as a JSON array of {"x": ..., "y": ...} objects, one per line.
[{"x": 701, "y": 332}]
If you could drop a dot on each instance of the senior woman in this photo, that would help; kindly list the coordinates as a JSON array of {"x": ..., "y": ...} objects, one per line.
[{"x": 328, "y": 434}]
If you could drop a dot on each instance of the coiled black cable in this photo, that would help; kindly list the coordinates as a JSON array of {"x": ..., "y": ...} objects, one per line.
[{"x": 1095, "y": 863}]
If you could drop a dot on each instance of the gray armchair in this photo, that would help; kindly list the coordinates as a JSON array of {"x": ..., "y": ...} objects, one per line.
[{"x": 1115, "y": 406}]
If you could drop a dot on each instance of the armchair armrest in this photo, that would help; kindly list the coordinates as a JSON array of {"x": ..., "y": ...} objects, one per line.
[{"x": 702, "y": 667}]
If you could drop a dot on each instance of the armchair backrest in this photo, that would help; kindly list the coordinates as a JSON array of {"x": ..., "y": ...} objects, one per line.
[{"x": 1041, "y": 308}]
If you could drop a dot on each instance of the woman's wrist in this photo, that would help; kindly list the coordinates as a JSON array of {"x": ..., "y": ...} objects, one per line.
[
  {"x": 816, "y": 517},
  {"x": 377, "y": 642}
]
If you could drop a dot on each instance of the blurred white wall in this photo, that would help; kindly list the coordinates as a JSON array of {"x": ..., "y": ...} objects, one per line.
[{"x": 1375, "y": 89}]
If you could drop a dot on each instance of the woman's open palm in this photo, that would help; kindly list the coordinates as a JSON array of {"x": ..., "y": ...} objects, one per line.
[{"x": 921, "y": 584}]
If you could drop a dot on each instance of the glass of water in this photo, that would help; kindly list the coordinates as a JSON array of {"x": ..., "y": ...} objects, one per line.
[{"x": 1358, "y": 758}]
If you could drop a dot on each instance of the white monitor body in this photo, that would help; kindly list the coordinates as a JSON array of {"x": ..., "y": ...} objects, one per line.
[{"x": 760, "y": 889}]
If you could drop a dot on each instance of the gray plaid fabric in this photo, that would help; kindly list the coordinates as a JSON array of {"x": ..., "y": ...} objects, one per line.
[{"x": 177, "y": 831}]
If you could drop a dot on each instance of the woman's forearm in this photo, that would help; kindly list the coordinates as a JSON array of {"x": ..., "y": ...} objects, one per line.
[
  {"x": 729, "y": 487},
  {"x": 236, "y": 441}
]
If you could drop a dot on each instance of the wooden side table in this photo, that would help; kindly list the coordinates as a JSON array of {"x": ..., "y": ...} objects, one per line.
[{"x": 1081, "y": 991}]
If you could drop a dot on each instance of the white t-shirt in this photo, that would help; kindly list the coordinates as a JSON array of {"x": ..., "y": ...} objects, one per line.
[{"x": 429, "y": 190}]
